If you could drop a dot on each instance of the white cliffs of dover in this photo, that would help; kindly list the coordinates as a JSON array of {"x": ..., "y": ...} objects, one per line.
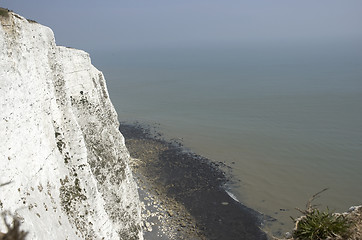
[{"x": 61, "y": 153}]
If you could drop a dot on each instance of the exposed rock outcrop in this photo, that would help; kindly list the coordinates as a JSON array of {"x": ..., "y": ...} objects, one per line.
[{"x": 60, "y": 147}]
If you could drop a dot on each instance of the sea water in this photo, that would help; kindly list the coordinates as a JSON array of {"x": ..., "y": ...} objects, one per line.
[{"x": 286, "y": 119}]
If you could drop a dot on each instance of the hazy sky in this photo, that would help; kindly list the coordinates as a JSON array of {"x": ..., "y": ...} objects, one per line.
[{"x": 121, "y": 24}]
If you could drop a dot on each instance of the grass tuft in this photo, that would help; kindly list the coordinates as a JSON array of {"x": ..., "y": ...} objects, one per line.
[
  {"x": 318, "y": 225},
  {"x": 321, "y": 225},
  {"x": 4, "y": 12},
  {"x": 31, "y": 21}
]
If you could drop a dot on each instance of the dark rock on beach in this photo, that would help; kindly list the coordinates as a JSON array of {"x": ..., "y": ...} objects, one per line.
[{"x": 189, "y": 189}]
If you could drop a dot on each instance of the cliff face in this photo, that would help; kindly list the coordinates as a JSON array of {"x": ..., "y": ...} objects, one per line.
[{"x": 60, "y": 147}]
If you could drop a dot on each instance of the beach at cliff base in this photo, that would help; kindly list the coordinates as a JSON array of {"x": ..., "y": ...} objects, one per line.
[{"x": 184, "y": 194}]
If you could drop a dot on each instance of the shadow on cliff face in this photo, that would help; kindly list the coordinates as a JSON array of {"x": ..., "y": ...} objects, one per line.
[{"x": 193, "y": 181}]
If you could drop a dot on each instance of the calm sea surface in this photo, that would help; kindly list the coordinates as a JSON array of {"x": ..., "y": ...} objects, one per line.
[{"x": 287, "y": 119}]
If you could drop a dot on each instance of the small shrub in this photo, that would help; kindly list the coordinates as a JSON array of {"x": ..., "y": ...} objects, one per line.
[
  {"x": 320, "y": 225},
  {"x": 13, "y": 230},
  {"x": 31, "y": 21},
  {"x": 4, "y": 12}
]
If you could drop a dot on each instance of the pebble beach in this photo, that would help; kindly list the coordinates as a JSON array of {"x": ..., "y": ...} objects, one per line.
[{"x": 182, "y": 193}]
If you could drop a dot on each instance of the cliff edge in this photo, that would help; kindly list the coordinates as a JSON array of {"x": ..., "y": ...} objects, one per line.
[{"x": 64, "y": 166}]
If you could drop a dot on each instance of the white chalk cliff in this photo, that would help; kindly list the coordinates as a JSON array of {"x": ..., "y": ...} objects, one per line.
[{"x": 60, "y": 147}]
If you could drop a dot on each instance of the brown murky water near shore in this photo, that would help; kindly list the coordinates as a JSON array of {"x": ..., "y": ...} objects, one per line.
[{"x": 287, "y": 120}]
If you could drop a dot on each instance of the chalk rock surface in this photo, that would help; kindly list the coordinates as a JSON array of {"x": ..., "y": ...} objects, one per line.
[{"x": 61, "y": 153}]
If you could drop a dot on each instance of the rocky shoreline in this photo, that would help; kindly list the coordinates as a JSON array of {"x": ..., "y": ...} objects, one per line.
[{"x": 183, "y": 192}]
